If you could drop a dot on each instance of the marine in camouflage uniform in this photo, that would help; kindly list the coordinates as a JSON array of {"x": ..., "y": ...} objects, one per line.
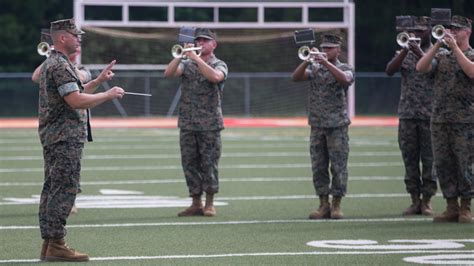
[
  {"x": 200, "y": 120},
  {"x": 452, "y": 122},
  {"x": 414, "y": 111},
  {"x": 63, "y": 131},
  {"x": 329, "y": 121},
  {"x": 84, "y": 76}
]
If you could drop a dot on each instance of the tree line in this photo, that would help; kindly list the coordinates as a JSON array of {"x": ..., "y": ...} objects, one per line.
[{"x": 21, "y": 23}]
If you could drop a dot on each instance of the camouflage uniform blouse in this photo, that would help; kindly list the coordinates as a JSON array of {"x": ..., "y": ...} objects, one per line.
[
  {"x": 200, "y": 104},
  {"x": 416, "y": 94},
  {"x": 57, "y": 120},
  {"x": 327, "y": 97},
  {"x": 454, "y": 90}
]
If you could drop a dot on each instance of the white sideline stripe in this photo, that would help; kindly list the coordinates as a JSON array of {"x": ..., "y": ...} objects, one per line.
[
  {"x": 225, "y": 155},
  {"x": 181, "y": 180},
  {"x": 261, "y": 254},
  {"x": 376, "y": 220},
  {"x": 179, "y": 167}
]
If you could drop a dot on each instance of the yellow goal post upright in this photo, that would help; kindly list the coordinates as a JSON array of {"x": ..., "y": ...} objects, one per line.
[{"x": 305, "y": 15}]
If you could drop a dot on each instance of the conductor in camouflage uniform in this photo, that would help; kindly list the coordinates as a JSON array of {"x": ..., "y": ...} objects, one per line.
[
  {"x": 329, "y": 121},
  {"x": 452, "y": 122},
  {"x": 63, "y": 131},
  {"x": 84, "y": 76},
  {"x": 414, "y": 111},
  {"x": 200, "y": 119}
]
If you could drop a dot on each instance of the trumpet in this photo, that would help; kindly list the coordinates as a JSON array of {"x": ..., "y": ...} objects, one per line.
[
  {"x": 44, "y": 49},
  {"x": 305, "y": 53},
  {"x": 404, "y": 38},
  {"x": 177, "y": 51},
  {"x": 438, "y": 32}
]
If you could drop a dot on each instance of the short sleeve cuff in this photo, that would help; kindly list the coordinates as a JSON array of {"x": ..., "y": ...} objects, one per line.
[
  {"x": 67, "y": 88},
  {"x": 349, "y": 75},
  {"x": 309, "y": 71},
  {"x": 222, "y": 69}
]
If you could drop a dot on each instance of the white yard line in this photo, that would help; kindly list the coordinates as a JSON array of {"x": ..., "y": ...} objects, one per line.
[
  {"x": 145, "y": 200},
  {"x": 375, "y": 220},
  {"x": 153, "y": 146},
  {"x": 177, "y": 156},
  {"x": 181, "y": 180},
  {"x": 467, "y": 255},
  {"x": 179, "y": 167}
]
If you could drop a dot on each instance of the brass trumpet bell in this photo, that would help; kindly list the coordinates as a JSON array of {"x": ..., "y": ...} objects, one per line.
[
  {"x": 438, "y": 32},
  {"x": 177, "y": 51},
  {"x": 305, "y": 53},
  {"x": 44, "y": 49},
  {"x": 404, "y": 38}
]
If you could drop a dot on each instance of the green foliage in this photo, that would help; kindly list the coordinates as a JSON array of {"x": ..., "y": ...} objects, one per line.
[{"x": 21, "y": 23}]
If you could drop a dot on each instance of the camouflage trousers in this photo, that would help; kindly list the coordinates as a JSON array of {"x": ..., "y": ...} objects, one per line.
[
  {"x": 62, "y": 167},
  {"x": 200, "y": 154},
  {"x": 329, "y": 147},
  {"x": 453, "y": 150},
  {"x": 414, "y": 140}
]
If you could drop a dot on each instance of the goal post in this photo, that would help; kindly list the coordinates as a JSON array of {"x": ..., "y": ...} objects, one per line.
[{"x": 255, "y": 37}]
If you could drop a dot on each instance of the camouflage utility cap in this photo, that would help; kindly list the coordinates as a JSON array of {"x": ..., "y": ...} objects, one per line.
[
  {"x": 205, "y": 33},
  {"x": 461, "y": 22},
  {"x": 331, "y": 40},
  {"x": 422, "y": 23},
  {"x": 67, "y": 25}
]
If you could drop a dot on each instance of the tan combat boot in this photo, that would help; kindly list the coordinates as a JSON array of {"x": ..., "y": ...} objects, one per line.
[
  {"x": 59, "y": 251},
  {"x": 425, "y": 206},
  {"x": 336, "y": 212},
  {"x": 324, "y": 210},
  {"x": 195, "y": 209},
  {"x": 73, "y": 209},
  {"x": 209, "y": 209},
  {"x": 415, "y": 207},
  {"x": 451, "y": 214},
  {"x": 44, "y": 247},
  {"x": 465, "y": 215}
]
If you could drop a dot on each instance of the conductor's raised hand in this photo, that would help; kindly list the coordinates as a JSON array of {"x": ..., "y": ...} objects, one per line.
[
  {"x": 115, "y": 92},
  {"x": 107, "y": 73}
]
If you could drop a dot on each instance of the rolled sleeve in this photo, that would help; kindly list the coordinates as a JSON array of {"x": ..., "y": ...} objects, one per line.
[
  {"x": 222, "y": 67},
  {"x": 309, "y": 71},
  {"x": 67, "y": 88},
  {"x": 349, "y": 75}
]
